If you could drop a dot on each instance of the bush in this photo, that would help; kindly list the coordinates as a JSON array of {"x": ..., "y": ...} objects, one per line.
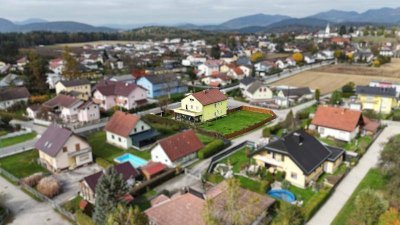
[
  {"x": 49, "y": 187},
  {"x": 83, "y": 219},
  {"x": 33, "y": 179},
  {"x": 211, "y": 149},
  {"x": 315, "y": 203},
  {"x": 266, "y": 132},
  {"x": 279, "y": 176}
]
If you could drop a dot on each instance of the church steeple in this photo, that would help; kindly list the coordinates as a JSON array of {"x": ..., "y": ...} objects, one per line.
[{"x": 328, "y": 29}]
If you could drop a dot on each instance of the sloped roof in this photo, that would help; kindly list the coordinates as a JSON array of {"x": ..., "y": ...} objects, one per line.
[
  {"x": 376, "y": 91},
  {"x": 14, "y": 93},
  {"x": 119, "y": 88},
  {"x": 296, "y": 91},
  {"x": 162, "y": 78},
  {"x": 337, "y": 118},
  {"x": 305, "y": 150},
  {"x": 126, "y": 169},
  {"x": 72, "y": 83},
  {"x": 53, "y": 140},
  {"x": 181, "y": 145},
  {"x": 183, "y": 209},
  {"x": 122, "y": 123},
  {"x": 153, "y": 168},
  {"x": 247, "y": 80},
  {"x": 208, "y": 97},
  {"x": 61, "y": 100},
  {"x": 255, "y": 86}
]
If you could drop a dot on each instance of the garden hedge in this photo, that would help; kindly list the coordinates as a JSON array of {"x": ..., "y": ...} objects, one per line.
[{"x": 211, "y": 149}]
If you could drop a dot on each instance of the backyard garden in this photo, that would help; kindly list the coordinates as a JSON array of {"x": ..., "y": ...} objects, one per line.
[{"x": 235, "y": 121}]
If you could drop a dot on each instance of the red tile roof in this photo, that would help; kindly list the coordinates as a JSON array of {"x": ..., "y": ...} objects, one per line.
[
  {"x": 337, "y": 118},
  {"x": 159, "y": 199},
  {"x": 153, "y": 168},
  {"x": 181, "y": 145},
  {"x": 370, "y": 125},
  {"x": 208, "y": 97},
  {"x": 185, "y": 209},
  {"x": 122, "y": 123}
]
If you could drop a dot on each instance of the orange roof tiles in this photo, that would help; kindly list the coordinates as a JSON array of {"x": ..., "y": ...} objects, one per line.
[
  {"x": 122, "y": 123},
  {"x": 337, "y": 118}
]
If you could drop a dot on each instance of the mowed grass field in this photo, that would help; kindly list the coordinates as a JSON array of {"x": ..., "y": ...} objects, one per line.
[
  {"x": 330, "y": 78},
  {"x": 234, "y": 122}
]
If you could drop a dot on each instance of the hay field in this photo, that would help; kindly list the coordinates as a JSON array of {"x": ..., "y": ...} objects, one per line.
[{"x": 329, "y": 82}]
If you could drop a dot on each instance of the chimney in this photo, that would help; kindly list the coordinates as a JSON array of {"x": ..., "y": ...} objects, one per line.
[{"x": 298, "y": 138}]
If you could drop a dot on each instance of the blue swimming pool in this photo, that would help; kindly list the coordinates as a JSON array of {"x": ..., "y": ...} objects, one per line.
[
  {"x": 134, "y": 160},
  {"x": 282, "y": 194}
]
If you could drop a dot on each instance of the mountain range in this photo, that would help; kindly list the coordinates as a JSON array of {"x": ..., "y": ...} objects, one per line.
[{"x": 246, "y": 24}]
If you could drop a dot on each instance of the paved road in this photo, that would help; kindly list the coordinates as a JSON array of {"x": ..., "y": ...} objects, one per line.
[
  {"x": 25, "y": 210},
  {"x": 192, "y": 178},
  {"x": 18, "y": 147},
  {"x": 331, "y": 208}
]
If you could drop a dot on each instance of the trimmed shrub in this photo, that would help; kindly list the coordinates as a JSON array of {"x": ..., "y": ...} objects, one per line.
[
  {"x": 49, "y": 187},
  {"x": 211, "y": 149},
  {"x": 33, "y": 179}
]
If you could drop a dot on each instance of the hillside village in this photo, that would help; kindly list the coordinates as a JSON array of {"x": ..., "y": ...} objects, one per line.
[{"x": 189, "y": 132}]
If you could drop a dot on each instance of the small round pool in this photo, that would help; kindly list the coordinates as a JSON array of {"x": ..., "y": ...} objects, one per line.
[{"x": 282, "y": 194}]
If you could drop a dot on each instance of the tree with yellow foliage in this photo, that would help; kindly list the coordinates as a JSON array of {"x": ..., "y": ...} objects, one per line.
[
  {"x": 390, "y": 217},
  {"x": 257, "y": 56},
  {"x": 298, "y": 57}
]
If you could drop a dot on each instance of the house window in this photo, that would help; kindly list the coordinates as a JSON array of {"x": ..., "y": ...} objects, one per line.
[
  {"x": 293, "y": 175},
  {"x": 78, "y": 147},
  {"x": 282, "y": 158},
  {"x": 112, "y": 136},
  {"x": 142, "y": 127},
  {"x": 119, "y": 139},
  {"x": 135, "y": 130},
  {"x": 65, "y": 149}
]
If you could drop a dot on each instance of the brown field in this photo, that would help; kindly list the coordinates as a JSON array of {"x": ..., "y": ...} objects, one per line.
[
  {"x": 387, "y": 70},
  {"x": 277, "y": 55},
  {"x": 328, "y": 81},
  {"x": 81, "y": 44}
]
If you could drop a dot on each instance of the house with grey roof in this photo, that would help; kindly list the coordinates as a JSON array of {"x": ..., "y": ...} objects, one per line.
[
  {"x": 13, "y": 95},
  {"x": 378, "y": 99},
  {"x": 301, "y": 156},
  {"x": 257, "y": 91},
  {"x": 61, "y": 149},
  {"x": 161, "y": 85}
]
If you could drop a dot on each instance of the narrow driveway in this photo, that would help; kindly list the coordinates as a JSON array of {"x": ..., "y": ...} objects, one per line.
[
  {"x": 327, "y": 213},
  {"x": 18, "y": 147},
  {"x": 25, "y": 210}
]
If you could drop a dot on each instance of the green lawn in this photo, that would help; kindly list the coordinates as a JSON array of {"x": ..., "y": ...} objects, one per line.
[
  {"x": 251, "y": 185},
  {"x": 234, "y": 122},
  {"x": 302, "y": 194},
  {"x": 109, "y": 152},
  {"x": 237, "y": 160},
  {"x": 18, "y": 139},
  {"x": 205, "y": 139},
  {"x": 374, "y": 180},
  {"x": 357, "y": 145},
  {"x": 23, "y": 164},
  {"x": 72, "y": 205}
]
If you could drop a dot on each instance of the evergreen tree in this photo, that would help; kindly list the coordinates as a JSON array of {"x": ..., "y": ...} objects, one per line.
[
  {"x": 109, "y": 190},
  {"x": 342, "y": 30},
  {"x": 35, "y": 73},
  {"x": 124, "y": 215},
  {"x": 216, "y": 52},
  {"x": 317, "y": 95}
]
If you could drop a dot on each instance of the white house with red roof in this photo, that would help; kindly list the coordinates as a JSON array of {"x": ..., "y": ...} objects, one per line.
[
  {"x": 126, "y": 130},
  {"x": 177, "y": 149},
  {"x": 126, "y": 95},
  {"x": 339, "y": 123}
]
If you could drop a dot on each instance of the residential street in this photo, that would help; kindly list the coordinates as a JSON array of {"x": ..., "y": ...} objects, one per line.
[
  {"x": 26, "y": 210},
  {"x": 331, "y": 208},
  {"x": 191, "y": 179}
]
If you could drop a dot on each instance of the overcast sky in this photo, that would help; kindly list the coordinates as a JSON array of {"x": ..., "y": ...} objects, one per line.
[{"x": 100, "y": 12}]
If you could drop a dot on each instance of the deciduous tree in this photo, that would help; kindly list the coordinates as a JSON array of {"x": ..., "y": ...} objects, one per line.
[
  {"x": 298, "y": 57},
  {"x": 35, "y": 73},
  {"x": 124, "y": 215},
  {"x": 368, "y": 206},
  {"x": 288, "y": 214},
  {"x": 71, "y": 65}
]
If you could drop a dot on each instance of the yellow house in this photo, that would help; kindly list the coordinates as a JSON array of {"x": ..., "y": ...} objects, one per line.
[
  {"x": 301, "y": 156},
  {"x": 378, "y": 99},
  {"x": 79, "y": 88},
  {"x": 202, "y": 106}
]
